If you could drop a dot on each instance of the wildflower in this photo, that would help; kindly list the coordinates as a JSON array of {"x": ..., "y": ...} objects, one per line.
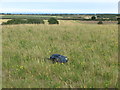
[
  {"x": 38, "y": 61},
  {"x": 56, "y": 63},
  {"x": 32, "y": 75},
  {"x": 21, "y": 67}
]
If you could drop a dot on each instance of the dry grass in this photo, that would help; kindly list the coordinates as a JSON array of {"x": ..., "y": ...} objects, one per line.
[
  {"x": 92, "y": 51},
  {"x": 4, "y": 20}
]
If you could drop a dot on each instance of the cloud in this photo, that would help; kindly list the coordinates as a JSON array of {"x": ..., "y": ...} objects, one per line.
[{"x": 60, "y": 1}]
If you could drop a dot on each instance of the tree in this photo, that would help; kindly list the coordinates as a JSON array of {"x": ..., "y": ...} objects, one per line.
[
  {"x": 118, "y": 20},
  {"x": 53, "y": 21},
  {"x": 93, "y": 17}
]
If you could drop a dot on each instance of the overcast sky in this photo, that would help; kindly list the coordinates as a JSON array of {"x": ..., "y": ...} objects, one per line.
[{"x": 59, "y": 6}]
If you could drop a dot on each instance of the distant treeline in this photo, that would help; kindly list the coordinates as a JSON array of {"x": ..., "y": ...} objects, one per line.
[
  {"x": 53, "y": 14},
  {"x": 38, "y": 21},
  {"x": 104, "y": 17},
  {"x": 24, "y": 21},
  {"x": 30, "y": 21},
  {"x": 115, "y": 19}
]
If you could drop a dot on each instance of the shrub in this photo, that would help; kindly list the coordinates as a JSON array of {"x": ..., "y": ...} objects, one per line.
[
  {"x": 15, "y": 21},
  {"x": 93, "y": 18},
  {"x": 100, "y": 22},
  {"x": 35, "y": 21},
  {"x": 118, "y": 22},
  {"x": 3, "y": 23},
  {"x": 53, "y": 21},
  {"x": 24, "y": 21}
]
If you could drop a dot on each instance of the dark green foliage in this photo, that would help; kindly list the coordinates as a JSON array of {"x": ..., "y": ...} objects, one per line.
[
  {"x": 15, "y": 21},
  {"x": 24, "y": 21},
  {"x": 4, "y": 23},
  {"x": 100, "y": 22},
  {"x": 35, "y": 21},
  {"x": 118, "y": 21},
  {"x": 93, "y": 17},
  {"x": 53, "y": 21}
]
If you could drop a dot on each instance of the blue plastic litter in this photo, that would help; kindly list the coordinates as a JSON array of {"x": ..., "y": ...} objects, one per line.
[{"x": 58, "y": 58}]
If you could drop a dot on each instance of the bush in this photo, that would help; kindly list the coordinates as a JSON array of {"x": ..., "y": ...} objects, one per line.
[
  {"x": 24, "y": 21},
  {"x": 118, "y": 22},
  {"x": 100, "y": 22},
  {"x": 4, "y": 23},
  {"x": 93, "y": 18},
  {"x": 15, "y": 21},
  {"x": 35, "y": 21},
  {"x": 53, "y": 21}
]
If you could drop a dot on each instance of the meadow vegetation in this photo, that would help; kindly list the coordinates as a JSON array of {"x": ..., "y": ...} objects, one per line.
[{"x": 92, "y": 50}]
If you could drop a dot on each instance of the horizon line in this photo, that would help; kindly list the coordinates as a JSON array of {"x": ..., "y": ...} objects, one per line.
[{"x": 56, "y": 13}]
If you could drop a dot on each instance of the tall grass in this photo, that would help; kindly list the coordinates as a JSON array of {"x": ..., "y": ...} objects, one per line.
[
  {"x": 92, "y": 51},
  {"x": 0, "y": 57}
]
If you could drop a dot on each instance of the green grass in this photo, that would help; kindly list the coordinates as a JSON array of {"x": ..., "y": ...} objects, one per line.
[
  {"x": 92, "y": 51},
  {"x": 0, "y": 57}
]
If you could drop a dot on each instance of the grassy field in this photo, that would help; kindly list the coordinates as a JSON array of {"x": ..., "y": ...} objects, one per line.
[
  {"x": 29, "y": 16},
  {"x": 92, "y": 51}
]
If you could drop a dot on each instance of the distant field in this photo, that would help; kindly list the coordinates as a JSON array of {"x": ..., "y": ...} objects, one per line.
[
  {"x": 78, "y": 21},
  {"x": 92, "y": 51},
  {"x": 105, "y": 17},
  {"x": 28, "y": 16},
  {"x": 95, "y": 22}
]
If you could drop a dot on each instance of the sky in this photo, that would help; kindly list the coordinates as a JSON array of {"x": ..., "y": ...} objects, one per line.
[{"x": 59, "y": 6}]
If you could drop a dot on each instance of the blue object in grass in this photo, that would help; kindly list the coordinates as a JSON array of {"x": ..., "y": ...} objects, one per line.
[{"x": 58, "y": 58}]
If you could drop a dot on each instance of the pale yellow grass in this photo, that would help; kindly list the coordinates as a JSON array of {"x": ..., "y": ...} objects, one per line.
[{"x": 4, "y": 20}]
